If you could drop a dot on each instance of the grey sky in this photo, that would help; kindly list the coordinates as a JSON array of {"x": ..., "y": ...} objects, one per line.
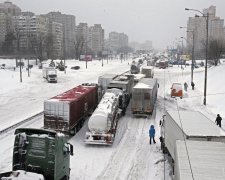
[{"x": 156, "y": 20}]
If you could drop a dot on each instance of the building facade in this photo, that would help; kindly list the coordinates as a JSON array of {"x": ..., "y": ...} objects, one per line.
[
  {"x": 117, "y": 41},
  {"x": 68, "y": 26},
  {"x": 10, "y": 9},
  {"x": 197, "y": 25},
  {"x": 95, "y": 39}
]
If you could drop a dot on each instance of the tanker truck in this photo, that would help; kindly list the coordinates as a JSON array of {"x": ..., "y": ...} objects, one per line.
[
  {"x": 103, "y": 122},
  {"x": 39, "y": 154}
]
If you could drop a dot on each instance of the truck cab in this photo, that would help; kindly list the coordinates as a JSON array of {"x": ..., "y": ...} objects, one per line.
[
  {"x": 50, "y": 74},
  {"x": 41, "y": 152}
]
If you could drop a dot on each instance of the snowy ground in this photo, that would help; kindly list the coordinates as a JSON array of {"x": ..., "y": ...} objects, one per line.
[{"x": 131, "y": 156}]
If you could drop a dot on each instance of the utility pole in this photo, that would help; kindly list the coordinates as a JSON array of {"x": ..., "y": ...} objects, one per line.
[
  {"x": 206, "y": 48},
  {"x": 206, "y": 56},
  {"x": 28, "y": 67},
  {"x": 20, "y": 71},
  {"x": 193, "y": 55},
  {"x": 64, "y": 65}
]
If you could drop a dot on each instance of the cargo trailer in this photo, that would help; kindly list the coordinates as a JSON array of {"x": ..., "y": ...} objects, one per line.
[
  {"x": 144, "y": 96},
  {"x": 67, "y": 112},
  {"x": 148, "y": 71},
  {"x": 204, "y": 161},
  {"x": 191, "y": 125}
]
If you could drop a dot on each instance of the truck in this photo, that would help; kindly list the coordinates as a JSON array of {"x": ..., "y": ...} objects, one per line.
[
  {"x": 124, "y": 82},
  {"x": 50, "y": 74},
  {"x": 163, "y": 64},
  {"x": 102, "y": 124},
  {"x": 39, "y": 154},
  {"x": 148, "y": 71},
  {"x": 144, "y": 96},
  {"x": 186, "y": 124},
  {"x": 67, "y": 111},
  {"x": 134, "y": 68},
  {"x": 206, "y": 160},
  {"x": 138, "y": 77},
  {"x": 104, "y": 80}
]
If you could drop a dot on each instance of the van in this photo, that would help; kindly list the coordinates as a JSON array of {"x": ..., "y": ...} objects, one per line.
[{"x": 176, "y": 90}]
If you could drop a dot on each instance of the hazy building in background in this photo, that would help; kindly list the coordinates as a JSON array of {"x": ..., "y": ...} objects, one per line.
[
  {"x": 95, "y": 39},
  {"x": 82, "y": 38},
  {"x": 145, "y": 46},
  {"x": 5, "y": 27},
  {"x": 198, "y": 25},
  {"x": 117, "y": 41},
  {"x": 30, "y": 33},
  {"x": 55, "y": 36},
  {"x": 68, "y": 26},
  {"x": 10, "y": 9},
  {"x": 7, "y": 10}
]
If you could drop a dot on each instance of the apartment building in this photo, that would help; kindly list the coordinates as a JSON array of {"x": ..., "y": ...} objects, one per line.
[{"x": 68, "y": 26}]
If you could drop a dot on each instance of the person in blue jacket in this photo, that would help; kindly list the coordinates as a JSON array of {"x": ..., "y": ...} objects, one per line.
[{"x": 152, "y": 134}]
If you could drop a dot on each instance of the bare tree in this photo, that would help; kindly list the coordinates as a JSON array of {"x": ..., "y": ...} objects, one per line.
[
  {"x": 7, "y": 46},
  {"x": 216, "y": 48},
  {"x": 79, "y": 46},
  {"x": 49, "y": 46}
]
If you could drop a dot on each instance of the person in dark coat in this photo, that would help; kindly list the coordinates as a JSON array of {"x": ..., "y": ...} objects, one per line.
[
  {"x": 218, "y": 120},
  {"x": 185, "y": 86},
  {"x": 152, "y": 134},
  {"x": 192, "y": 85}
]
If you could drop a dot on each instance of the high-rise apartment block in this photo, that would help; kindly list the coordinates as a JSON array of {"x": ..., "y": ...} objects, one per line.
[
  {"x": 82, "y": 38},
  {"x": 68, "y": 26},
  {"x": 198, "y": 26},
  {"x": 117, "y": 41},
  {"x": 29, "y": 32},
  {"x": 9, "y": 8},
  {"x": 96, "y": 39},
  {"x": 56, "y": 33}
]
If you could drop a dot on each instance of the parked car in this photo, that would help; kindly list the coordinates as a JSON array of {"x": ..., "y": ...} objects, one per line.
[
  {"x": 176, "y": 90},
  {"x": 75, "y": 67}
]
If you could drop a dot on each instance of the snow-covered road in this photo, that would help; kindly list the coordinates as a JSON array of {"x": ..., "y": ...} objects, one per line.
[{"x": 130, "y": 157}]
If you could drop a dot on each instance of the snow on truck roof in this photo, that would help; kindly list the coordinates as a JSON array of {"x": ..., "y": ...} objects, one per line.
[
  {"x": 73, "y": 94},
  {"x": 99, "y": 119},
  {"x": 207, "y": 160},
  {"x": 147, "y": 67},
  {"x": 107, "y": 76},
  {"x": 195, "y": 123},
  {"x": 145, "y": 83}
]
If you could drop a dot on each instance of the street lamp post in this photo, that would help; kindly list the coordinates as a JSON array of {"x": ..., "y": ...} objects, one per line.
[
  {"x": 193, "y": 51},
  {"x": 206, "y": 48}
]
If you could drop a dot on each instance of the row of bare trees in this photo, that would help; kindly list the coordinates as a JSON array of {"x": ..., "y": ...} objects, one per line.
[{"x": 216, "y": 50}]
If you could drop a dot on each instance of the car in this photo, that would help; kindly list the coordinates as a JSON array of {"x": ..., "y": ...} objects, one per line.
[
  {"x": 176, "y": 90},
  {"x": 75, "y": 67}
]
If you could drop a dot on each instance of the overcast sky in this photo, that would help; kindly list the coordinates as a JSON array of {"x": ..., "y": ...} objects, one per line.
[{"x": 155, "y": 20}]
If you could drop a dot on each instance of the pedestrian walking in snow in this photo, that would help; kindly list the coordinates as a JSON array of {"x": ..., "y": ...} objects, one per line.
[
  {"x": 192, "y": 85},
  {"x": 218, "y": 120},
  {"x": 152, "y": 134},
  {"x": 185, "y": 86}
]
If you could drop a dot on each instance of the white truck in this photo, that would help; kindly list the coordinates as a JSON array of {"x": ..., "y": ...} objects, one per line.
[
  {"x": 50, "y": 74},
  {"x": 148, "y": 71},
  {"x": 206, "y": 160},
  {"x": 104, "y": 80},
  {"x": 191, "y": 125},
  {"x": 144, "y": 96},
  {"x": 103, "y": 122}
]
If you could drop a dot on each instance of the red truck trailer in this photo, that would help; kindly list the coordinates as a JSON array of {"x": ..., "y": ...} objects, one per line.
[{"x": 66, "y": 112}]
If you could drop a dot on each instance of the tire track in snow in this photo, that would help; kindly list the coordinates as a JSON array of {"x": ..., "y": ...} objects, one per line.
[{"x": 120, "y": 163}]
